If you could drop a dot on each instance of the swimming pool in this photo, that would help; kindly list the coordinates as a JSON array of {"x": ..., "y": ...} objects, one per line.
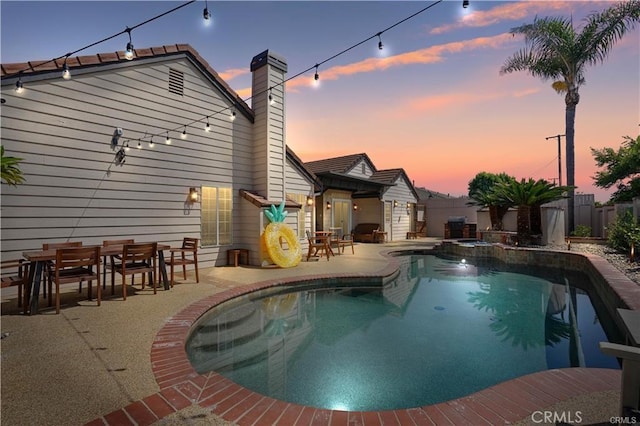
[{"x": 442, "y": 329}]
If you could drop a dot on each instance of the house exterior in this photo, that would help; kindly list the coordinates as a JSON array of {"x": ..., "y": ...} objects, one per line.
[
  {"x": 103, "y": 155},
  {"x": 355, "y": 192}
]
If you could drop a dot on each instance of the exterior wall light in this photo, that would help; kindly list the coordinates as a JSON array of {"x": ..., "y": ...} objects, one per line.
[
  {"x": 355, "y": 207},
  {"x": 309, "y": 200},
  {"x": 395, "y": 203},
  {"x": 329, "y": 205},
  {"x": 193, "y": 195}
]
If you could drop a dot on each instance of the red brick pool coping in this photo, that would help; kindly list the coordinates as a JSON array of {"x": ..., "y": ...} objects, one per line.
[{"x": 181, "y": 386}]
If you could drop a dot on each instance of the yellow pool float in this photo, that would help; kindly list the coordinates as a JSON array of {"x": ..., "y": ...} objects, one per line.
[{"x": 279, "y": 240}]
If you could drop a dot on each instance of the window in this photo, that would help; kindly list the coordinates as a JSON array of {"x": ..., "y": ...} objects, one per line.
[
  {"x": 216, "y": 216},
  {"x": 302, "y": 214}
]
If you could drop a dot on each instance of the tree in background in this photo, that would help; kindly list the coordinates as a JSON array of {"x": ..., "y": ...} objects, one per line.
[
  {"x": 556, "y": 51},
  {"x": 481, "y": 191},
  {"x": 622, "y": 168},
  {"x": 11, "y": 173}
]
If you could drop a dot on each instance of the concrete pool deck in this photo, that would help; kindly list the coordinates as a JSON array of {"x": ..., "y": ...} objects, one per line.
[{"x": 124, "y": 363}]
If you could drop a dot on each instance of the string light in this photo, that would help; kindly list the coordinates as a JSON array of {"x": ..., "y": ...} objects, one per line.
[
  {"x": 232, "y": 117},
  {"x": 168, "y": 140},
  {"x": 317, "y": 65},
  {"x": 128, "y": 53},
  {"x": 126, "y": 146},
  {"x": 66, "y": 74},
  {"x": 19, "y": 86},
  {"x": 207, "y": 15},
  {"x": 271, "y": 100},
  {"x": 465, "y": 4},
  {"x": 205, "y": 12},
  {"x": 207, "y": 128},
  {"x": 151, "y": 142}
]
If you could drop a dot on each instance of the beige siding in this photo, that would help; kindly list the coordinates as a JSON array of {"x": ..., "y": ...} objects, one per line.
[
  {"x": 358, "y": 172},
  {"x": 269, "y": 148},
  {"x": 296, "y": 183},
  {"x": 400, "y": 223},
  {"x": 62, "y": 129}
]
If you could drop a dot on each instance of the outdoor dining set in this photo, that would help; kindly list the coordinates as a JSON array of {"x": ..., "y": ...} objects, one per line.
[
  {"x": 321, "y": 243},
  {"x": 71, "y": 261}
]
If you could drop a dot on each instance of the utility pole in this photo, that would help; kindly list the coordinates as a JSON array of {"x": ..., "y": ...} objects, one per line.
[{"x": 559, "y": 157}]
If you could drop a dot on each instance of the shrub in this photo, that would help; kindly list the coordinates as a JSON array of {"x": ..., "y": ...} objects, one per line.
[
  {"x": 623, "y": 232},
  {"x": 582, "y": 231}
]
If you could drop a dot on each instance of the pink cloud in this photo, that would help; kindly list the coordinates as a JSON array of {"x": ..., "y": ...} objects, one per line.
[
  {"x": 429, "y": 55},
  {"x": 233, "y": 73},
  {"x": 513, "y": 12}
]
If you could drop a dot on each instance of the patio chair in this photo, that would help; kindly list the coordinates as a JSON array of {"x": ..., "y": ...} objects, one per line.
[
  {"x": 15, "y": 273},
  {"x": 344, "y": 241},
  {"x": 76, "y": 264},
  {"x": 137, "y": 258},
  {"x": 48, "y": 269},
  {"x": 113, "y": 258},
  {"x": 188, "y": 256},
  {"x": 317, "y": 245}
]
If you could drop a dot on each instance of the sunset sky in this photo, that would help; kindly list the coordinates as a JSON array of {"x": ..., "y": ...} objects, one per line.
[{"x": 432, "y": 101}]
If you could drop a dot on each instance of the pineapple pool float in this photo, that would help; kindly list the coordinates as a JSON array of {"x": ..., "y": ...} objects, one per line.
[{"x": 276, "y": 234}]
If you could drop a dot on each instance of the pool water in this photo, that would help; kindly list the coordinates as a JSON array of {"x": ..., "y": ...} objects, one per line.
[{"x": 442, "y": 329}]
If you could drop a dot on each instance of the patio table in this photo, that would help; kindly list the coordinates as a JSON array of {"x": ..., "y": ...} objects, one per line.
[
  {"x": 40, "y": 257},
  {"x": 325, "y": 237}
]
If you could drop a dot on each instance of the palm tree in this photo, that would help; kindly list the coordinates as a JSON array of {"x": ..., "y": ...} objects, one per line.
[
  {"x": 529, "y": 196},
  {"x": 482, "y": 194},
  {"x": 556, "y": 51}
]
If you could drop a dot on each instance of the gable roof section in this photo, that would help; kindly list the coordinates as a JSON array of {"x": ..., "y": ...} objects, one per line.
[
  {"x": 390, "y": 176},
  {"x": 341, "y": 165},
  {"x": 35, "y": 70}
]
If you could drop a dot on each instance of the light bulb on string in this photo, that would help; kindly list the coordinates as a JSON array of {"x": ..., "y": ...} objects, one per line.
[
  {"x": 151, "y": 142},
  {"x": 316, "y": 78},
  {"x": 232, "y": 117},
  {"x": 126, "y": 146},
  {"x": 139, "y": 144},
  {"x": 168, "y": 140},
  {"x": 205, "y": 13},
  {"x": 184, "y": 133},
  {"x": 66, "y": 74},
  {"x": 380, "y": 45},
  {"x": 19, "y": 86},
  {"x": 272, "y": 101},
  {"x": 207, "y": 127},
  {"x": 128, "y": 53}
]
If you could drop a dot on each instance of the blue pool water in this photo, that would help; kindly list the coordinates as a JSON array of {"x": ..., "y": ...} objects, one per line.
[{"x": 442, "y": 329}]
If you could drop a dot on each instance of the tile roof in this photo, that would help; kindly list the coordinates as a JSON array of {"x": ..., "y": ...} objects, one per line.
[
  {"x": 338, "y": 164},
  {"x": 100, "y": 59},
  {"x": 388, "y": 176}
]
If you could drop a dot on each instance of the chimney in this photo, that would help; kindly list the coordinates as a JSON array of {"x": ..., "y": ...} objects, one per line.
[{"x": 269, "y": 145}]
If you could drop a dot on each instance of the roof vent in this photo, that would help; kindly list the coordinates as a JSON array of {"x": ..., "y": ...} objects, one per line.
[{"x": 176, "y": 82}]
